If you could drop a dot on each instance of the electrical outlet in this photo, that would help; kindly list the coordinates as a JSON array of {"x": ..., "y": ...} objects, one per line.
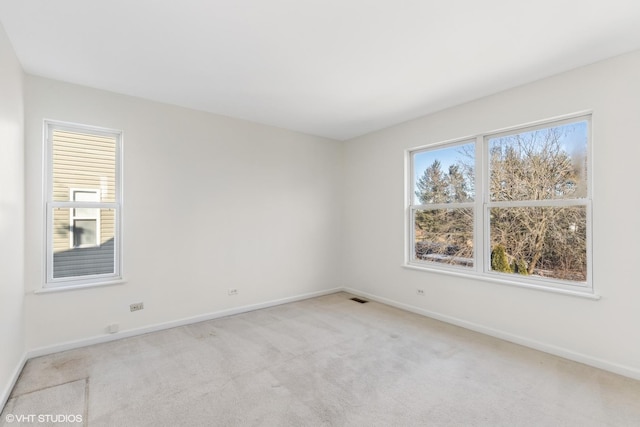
[
  {"x": 420, "y": 292},
  {"x": 137, "y": 306},
  {"x": 232, "y": 291}
]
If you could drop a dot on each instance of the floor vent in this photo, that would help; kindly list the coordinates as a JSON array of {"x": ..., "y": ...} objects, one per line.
[{"x": 361, "y": 301}]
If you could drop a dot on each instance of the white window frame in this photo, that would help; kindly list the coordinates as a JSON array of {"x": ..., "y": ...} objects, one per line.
[
  {"x": 412, "y": 260},
  {"x": 482, "y": 206},
  {"x": 51, "y": 283}
]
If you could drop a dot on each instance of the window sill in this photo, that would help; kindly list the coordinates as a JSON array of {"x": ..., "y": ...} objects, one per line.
[
  {"x": 485, "y": 278},
  {"x": 79, "y": 286}
]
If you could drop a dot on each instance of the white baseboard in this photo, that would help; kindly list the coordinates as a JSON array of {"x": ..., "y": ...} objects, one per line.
[
  {"x": 537, "y": 345},
  {"x": 4, "y": 397},
  {"x": 70, "y": 345}
]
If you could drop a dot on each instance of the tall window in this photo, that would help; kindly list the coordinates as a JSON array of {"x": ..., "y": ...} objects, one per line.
[
  {"x": 513, "y": 205},
  {"x": 444, "y": 209},
  {"x": 83, "y": 205}
]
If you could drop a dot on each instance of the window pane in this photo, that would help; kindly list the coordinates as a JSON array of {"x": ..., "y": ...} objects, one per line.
[
  {"x": 444, "y": 175},
  {"x": 544, "y": 164},
  {"x": 86, "y": 196},
  {"x": 444, "y": 236},
  {"x": 84, "y": 232},
  {"x": 83, "y": 161},
  {"x": 70, "y": 255},
  {"x": 86, "y": 212},
  {"x": 540, "y": 241}
]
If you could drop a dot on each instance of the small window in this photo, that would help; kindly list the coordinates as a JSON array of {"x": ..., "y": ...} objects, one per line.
[
  {"x": 83, "y": 204},
  {"x": 513, "y": 205},
  {"x": 84, "y": 222}
]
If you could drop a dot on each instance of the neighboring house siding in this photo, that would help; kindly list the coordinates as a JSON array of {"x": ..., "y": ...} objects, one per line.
[{"x": 83, "y": 164}]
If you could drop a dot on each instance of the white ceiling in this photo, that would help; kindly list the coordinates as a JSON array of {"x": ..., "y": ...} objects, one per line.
[{"x": 334, "y": 68}]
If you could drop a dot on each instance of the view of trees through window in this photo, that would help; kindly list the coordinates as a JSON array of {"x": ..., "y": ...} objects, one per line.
[
  {"x": 445, "y": 191},
  {"x": 535, "y": 202}
]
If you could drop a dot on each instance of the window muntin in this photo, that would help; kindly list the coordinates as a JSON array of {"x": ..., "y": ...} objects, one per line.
[
  {"x": 83, "y": 204},
  {"x": 527, "y": 213}
]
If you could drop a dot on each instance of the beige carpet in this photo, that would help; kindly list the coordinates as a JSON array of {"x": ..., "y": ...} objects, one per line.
[{"x": 327, "y": 361}]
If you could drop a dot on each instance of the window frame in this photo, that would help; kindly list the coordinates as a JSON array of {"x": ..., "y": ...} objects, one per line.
[
  {"x": 413, "y": 208},
  {"x": 62, "y": 283},
  {"x": 482, "y": 206}
]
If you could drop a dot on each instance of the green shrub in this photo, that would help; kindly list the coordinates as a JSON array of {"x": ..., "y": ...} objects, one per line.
[
  {"x": 520, "y": 267},
  {"x": 499, "y": 260}
]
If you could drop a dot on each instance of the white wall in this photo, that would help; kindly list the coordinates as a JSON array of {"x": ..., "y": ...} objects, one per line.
[
  {"x": 12, "y": 341},
  {"x": 604, "y": 333},
  {"x": 211, "y": 203}
]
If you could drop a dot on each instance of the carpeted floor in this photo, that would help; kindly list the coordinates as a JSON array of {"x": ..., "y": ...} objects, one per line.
[{"x": 327, "y": 361}]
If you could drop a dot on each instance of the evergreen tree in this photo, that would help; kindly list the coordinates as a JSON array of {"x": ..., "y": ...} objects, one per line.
[
  {"x": 433, "y": 185},
  {"x": 458, "y": 190}
]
